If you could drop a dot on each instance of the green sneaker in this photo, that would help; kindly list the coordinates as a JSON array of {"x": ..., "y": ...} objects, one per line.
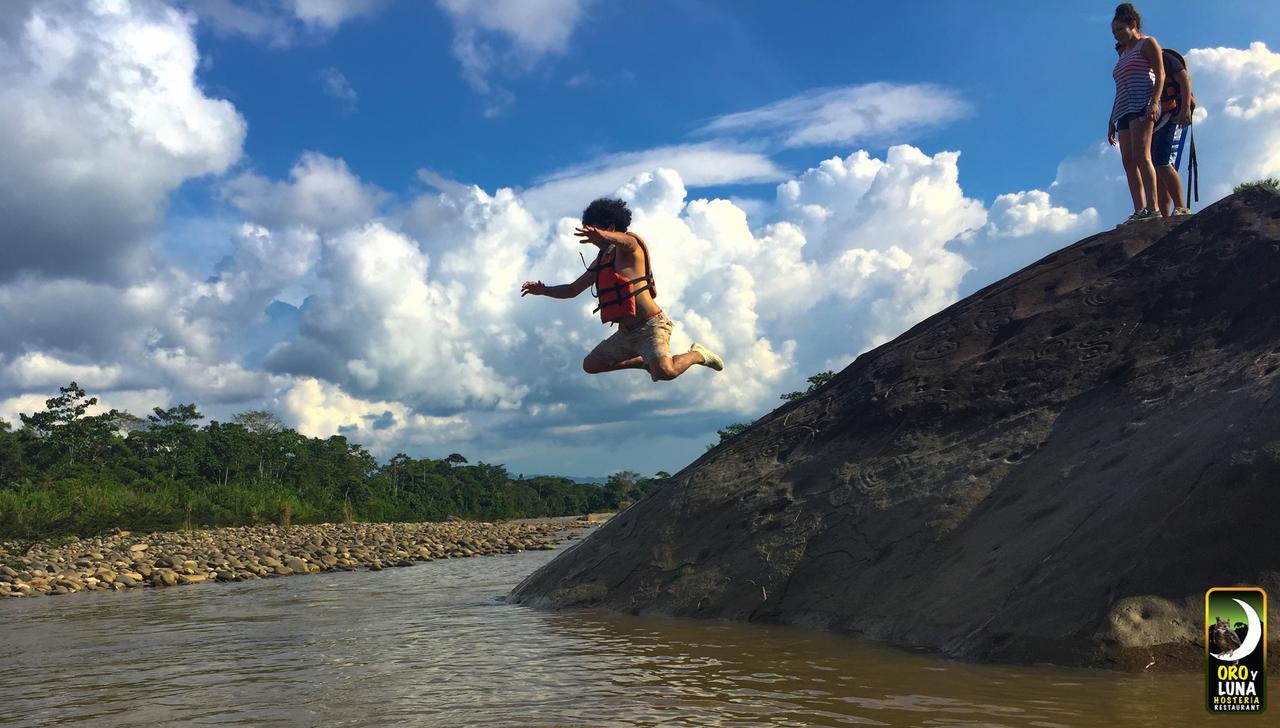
[{"x": 709, "y": 358}]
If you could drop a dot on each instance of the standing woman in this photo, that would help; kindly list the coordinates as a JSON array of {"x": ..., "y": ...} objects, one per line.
[{"x": 1139, "y": 76}]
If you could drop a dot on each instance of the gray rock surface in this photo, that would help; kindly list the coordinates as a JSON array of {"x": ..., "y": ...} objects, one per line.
[{"x": 1053, "y": 469}]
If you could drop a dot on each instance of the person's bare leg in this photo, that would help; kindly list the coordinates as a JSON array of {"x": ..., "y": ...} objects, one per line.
[
  {"x": 1140, "y": 137},
  {"x": 667, "y": 368},
  {"x": 593, "y": 365},
  {"x": 1170, "y": 185},
  {"x": 1130, "y": 169}
]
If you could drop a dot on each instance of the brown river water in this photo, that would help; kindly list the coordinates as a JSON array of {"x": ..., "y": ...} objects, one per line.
[{"x": 435, "y": 645}]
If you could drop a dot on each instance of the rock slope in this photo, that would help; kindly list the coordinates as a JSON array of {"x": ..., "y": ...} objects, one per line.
[{"x": 1054, "y": 469}]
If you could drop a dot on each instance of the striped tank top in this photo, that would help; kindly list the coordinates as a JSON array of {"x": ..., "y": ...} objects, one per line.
[{"x": 1135, "y": 80}]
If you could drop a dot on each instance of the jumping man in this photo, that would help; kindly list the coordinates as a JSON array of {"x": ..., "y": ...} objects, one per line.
[{"x": 624, "y": 284}]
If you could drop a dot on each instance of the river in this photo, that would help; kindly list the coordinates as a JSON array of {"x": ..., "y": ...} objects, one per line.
[{"x": 435, "y": 645}]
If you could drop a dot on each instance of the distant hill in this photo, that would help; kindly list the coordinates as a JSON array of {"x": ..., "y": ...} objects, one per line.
[{"x": 576, "y": 479}]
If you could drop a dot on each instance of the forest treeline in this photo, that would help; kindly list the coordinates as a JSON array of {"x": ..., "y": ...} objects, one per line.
[{"x": 64, "y": 472}]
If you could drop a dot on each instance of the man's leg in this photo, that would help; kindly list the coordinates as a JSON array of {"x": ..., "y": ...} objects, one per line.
[
  {"x": 655, "y": 344},
  {"x": 595, "y": 365},
  {"x": 614, "y": 353},
  {"x": 1165, "y": 144},
  {"x": 1170, "y": 185},
  {"x": 666, "y": 368}
]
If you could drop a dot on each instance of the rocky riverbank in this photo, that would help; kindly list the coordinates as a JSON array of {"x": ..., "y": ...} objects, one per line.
[{"x": 126, "y": 561}]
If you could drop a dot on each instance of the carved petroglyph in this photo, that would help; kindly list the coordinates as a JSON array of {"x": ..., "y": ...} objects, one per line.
[{"x": 993, "y": 318}]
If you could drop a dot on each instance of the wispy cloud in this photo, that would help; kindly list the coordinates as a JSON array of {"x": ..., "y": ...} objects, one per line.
[
  {"x": 699, "y": 165},
  {"x": 847, "y": 114},
  {"x": 507, "y": 36},
  {"x": 336, "y": 85},
  {"x": 279, "y": 23}
]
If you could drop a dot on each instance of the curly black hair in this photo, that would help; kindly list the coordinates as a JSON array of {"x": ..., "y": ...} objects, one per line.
[{"x": 606, "y": 213}]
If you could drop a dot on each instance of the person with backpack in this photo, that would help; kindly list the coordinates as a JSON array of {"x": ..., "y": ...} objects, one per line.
[
  {"x": 624, "y": 285},
  {"x": 1171, "y": 129},
  {"x": 1139, "y": 77}
]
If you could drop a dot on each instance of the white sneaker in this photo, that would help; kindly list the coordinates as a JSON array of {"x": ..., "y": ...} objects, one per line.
[
  {"x": 1181, "y": 212},
  {"x": 709, "y": 358}
]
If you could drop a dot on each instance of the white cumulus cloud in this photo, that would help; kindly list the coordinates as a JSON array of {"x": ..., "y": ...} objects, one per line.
[
  {"x": 101, "y": 118},
  {"x": 1022, "y": 227},
  {"x": 320, "y": 409},
  {"x": 1239, "y": 91},
  {"x": 322, "y": 194},
  {"x": 380, "y": 327}
]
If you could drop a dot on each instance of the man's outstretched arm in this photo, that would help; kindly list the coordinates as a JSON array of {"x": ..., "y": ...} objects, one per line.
[
  {"x": 588, "y": 234},
  {"x": 568, "y": 290}
]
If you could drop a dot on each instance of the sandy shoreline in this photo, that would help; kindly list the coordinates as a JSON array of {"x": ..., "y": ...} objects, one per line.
[{"x": 127, "y": 561}]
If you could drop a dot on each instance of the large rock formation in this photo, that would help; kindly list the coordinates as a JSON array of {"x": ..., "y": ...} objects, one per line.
[{"x": 1053, "y": 469}]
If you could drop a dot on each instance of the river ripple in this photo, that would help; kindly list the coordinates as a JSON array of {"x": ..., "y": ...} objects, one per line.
[{"x": 434, "y": 645}]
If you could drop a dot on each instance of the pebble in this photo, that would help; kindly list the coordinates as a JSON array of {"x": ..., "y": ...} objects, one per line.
[{"x": 123, "y": 560}]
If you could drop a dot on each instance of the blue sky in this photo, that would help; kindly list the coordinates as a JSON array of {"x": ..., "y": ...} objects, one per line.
[
  {"x": 325, "y": 207},
  {"x": 642, "y": 75}
]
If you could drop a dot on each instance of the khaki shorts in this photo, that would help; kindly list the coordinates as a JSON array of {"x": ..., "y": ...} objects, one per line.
[{"x": 649, "y": 341}]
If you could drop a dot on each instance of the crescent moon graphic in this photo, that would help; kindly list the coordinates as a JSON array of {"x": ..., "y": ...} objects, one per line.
[{"x": 1251, "y": 638}]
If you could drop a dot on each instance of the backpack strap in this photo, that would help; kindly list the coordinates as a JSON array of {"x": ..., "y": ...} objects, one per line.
[
  {"x": 600, "y": 261},
  {"x": 1193, "y": 166}
]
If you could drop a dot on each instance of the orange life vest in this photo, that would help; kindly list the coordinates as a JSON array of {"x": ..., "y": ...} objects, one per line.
[
  {"x": 617, "y": 295},
  {"x": 1171, "y": 94}
]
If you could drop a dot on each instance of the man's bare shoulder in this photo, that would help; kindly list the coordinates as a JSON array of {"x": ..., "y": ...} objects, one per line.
[{"x": 635, "y": 252}]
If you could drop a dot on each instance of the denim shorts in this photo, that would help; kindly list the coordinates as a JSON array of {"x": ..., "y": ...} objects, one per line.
[{"x": 1123, "y": 121}]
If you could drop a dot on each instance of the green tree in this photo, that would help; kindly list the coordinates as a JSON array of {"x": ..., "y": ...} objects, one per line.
[
  {"x": 396, "y": 470},
  {"x": 263, "y": 427},
  {"x": 174, "y": 434},
  {"x": 61, "y": 426},
  {"x": 621, "y": 487},
  {"x": 1268, "y": 183},
  {"x": 11, "y": 460},
  {"x": 733, "y": 430},
  {"x": 67, "y": 471},
  {"x": 230, "y": 451},
  {"x": 815, "y": 383}
]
